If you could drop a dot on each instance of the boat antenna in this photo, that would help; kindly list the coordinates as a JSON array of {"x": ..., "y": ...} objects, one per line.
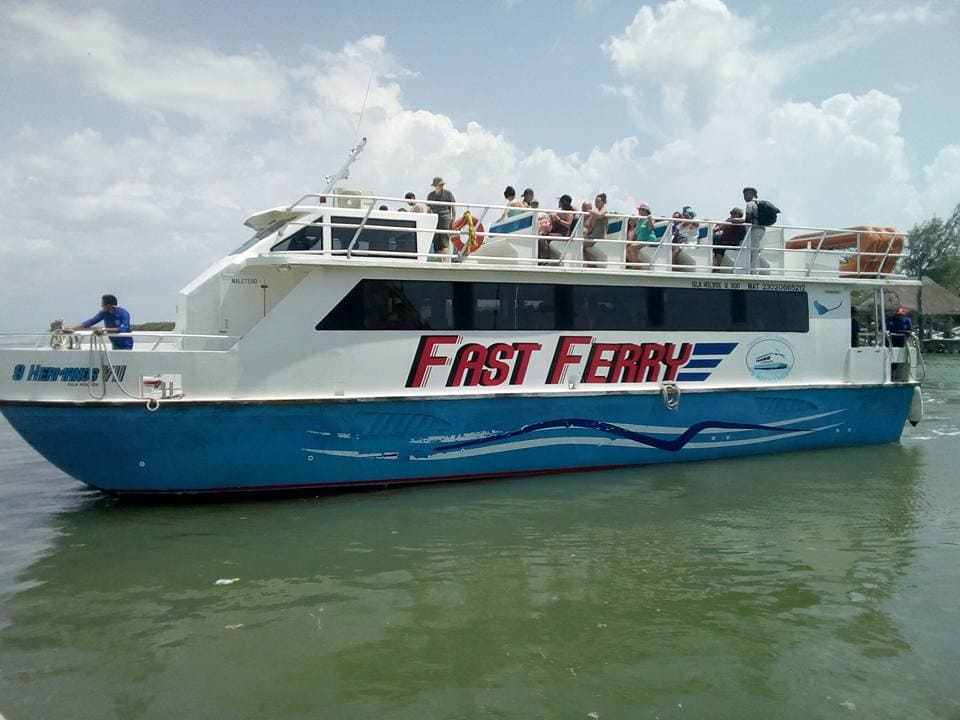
[
  {"x": 363, "y": 106},
  {"x": 344, "y": 172}
]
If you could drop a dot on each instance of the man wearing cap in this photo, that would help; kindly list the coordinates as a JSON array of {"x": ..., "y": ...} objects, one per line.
[
  {"x": 115, "y": 320},
  {"x": 899, "y": 326},
  {"x": 444, "y": 213},
  {"x": 527, "y": 198},
  {"x": 757, "y": 231}
]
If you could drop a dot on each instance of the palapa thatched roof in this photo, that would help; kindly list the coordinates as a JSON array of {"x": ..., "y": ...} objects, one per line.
[{"x": 937, "y": 300}]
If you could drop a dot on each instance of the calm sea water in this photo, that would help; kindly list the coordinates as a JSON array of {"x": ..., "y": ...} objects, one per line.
[{"x": 813, "y": 585}]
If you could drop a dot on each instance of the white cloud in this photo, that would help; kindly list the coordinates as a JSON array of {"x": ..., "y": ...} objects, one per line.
[
  {"x": 943, "y": 180},
  {"x": 143, "y": 72}
]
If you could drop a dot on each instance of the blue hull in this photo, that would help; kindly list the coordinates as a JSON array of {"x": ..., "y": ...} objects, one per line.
[{"x": 190, "y": 448}]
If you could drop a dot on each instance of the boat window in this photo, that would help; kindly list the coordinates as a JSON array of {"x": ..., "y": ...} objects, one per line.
[
  {"x": 372, "y": 238},
  {"x": 464, "y": 306},
  {"x": 268, "y": 230},
  {"x": 394, "y": 305},
  {"x": 306, "y": 238}
]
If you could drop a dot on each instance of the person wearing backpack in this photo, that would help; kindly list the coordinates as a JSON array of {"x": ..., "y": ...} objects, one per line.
[{"x": 759, "y": 214}]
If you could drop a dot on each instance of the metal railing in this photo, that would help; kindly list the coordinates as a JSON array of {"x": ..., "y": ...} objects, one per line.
[
  {"x": 784, "y": 250},
  {"x": 142, "y": 341}
]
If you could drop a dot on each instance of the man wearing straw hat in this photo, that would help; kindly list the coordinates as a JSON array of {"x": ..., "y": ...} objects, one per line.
[{"x": 444, "y": 213}]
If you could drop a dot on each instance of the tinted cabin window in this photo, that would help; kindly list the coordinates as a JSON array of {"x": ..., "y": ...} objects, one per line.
[
  {"x": 460, "y": 306},
  {"x": 393, "y": 305},
  {"x": 373, "y": 239},
  {"x": 306, "y": 238}
]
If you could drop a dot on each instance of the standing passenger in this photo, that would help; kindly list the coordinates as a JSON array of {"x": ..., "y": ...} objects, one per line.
[
  {"x": 444, "y": 213},
  {"x": 756, "y": 231},
  {"x": 596, "y": 227}
]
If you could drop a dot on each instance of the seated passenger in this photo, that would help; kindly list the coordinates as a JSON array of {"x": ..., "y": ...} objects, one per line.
[
  {"x": 510, "y": 197},
  {"x": 641, "y": 234},
  {"x": 414, "y": 205},
  {"x": 686, "y": 233},
  {"x": 560, "y": 224},
  {"x": 528, "y": 198},
  {"x": 729, "y": 234}
]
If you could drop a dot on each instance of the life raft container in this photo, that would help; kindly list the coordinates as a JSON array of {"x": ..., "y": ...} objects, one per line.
[
  {"x": 475, "y": 233},
  {"x": 874, "y": 250}
]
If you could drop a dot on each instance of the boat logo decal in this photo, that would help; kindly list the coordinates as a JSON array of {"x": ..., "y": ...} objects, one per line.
[
  {"x": 574, "y": 359},
  {"x": 823, "y": 309},
  {"x": 618, "y": 435},
  {"x": 770, "y": 359}
]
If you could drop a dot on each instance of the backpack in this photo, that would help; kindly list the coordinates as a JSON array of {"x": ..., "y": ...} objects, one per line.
[{"x": 766, "y": 212}]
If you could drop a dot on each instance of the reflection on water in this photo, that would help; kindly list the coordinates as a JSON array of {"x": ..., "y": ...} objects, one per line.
[{"x": 788, "y": 586}]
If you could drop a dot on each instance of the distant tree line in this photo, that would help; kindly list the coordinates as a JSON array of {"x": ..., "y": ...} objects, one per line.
[{"x": 934, "y": 251}]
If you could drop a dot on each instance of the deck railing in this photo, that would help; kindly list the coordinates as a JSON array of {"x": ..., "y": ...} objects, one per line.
[
  {"x": 142, "y": 341},
  {"x": 783, "y": 250}
]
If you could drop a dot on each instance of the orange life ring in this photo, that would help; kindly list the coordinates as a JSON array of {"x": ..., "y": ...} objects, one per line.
[{"x": 475, "y": 231}]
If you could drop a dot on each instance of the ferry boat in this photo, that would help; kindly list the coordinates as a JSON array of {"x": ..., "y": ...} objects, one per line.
[{"x": 337, "y": 348}]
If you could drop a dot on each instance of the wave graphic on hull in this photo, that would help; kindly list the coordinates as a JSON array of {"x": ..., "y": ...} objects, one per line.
[{"x": 671, "y": 445}]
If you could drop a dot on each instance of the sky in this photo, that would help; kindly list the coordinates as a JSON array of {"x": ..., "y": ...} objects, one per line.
[{"x": 138, "y": 136}]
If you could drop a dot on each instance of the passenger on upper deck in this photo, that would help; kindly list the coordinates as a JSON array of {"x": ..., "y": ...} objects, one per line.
[
  {"x": 595, "y": 226},
  {"x": 757, "y": 231},
  {"x": 115, "y": 320},
  {"x": 444, "y": 213},
  {"x": 510, "y": 195},
  {"x": 528, "y": 198},
  {"x": 642, "y": 234},
  {"x": 685, "y": 233},
  {"x": 730, "y": 234},
  {"x": 558, "y": 224},
  {"x": 563, "y": 221},
  {"x": 414, "y": 205}
]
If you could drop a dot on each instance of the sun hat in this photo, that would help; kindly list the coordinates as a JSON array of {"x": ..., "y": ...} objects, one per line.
[
  {"x": 643, "y": 206},
  {"x": 437, "y": 181}
]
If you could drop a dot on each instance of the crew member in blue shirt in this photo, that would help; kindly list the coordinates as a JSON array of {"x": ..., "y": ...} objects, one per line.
[
  {"x": 899, "y": 326},
  {"x": 115, "y": 320}
]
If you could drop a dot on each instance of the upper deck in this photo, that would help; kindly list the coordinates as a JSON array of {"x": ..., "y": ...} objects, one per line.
[{"x": 321, "y": 228}]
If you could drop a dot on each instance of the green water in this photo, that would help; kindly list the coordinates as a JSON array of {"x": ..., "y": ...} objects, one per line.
[{"x": 813, "y": 585}]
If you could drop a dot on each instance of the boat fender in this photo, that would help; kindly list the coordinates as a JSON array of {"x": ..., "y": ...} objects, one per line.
[
  {"x": 475, "y": 232},
  {"x": 916, "y": 407},
  {"x": 670, "y": 392}
]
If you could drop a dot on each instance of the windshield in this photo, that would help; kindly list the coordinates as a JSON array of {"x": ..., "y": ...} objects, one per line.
[{"x": 269, "y": 230}]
